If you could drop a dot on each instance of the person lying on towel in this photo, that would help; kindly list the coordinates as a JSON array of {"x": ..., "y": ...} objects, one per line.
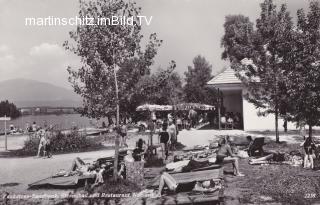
[
  {"x": 80, "y": 167},
  {"x": 167, "y": 180},
  {"x": 272, "y": 156}
]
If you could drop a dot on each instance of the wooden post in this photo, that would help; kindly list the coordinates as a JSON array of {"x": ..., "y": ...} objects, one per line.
[
  {"x": 219, "y": 111},
  {"x": 5, "y": 133}
]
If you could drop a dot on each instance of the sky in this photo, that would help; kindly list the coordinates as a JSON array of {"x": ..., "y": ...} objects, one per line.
[{"x": 187, "y": 27}]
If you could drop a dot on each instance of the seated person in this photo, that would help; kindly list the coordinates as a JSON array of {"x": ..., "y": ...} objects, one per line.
[
  {"x": 230, "y": 121},
  {"x": 223, "y": 120},
  {"x": 79, "y": 166},
  {"x": 122, "y": 173},
  {"x": 255, "y": 146},
  {"x": 140, "y": 151},
  {"x": 129, "y": 157},
  {"x": 99, "y": 177},
  {"x": 167, "y": 180},
  {"x": 225, "y": 155}
]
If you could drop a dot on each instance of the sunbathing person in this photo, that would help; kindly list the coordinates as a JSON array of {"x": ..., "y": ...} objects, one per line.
[
  {"x": 272, "y": 156},
  {"x": 80, "y": 167},
  {"x": 167, "y": 180},
  {"x": 225, "y": 155}
]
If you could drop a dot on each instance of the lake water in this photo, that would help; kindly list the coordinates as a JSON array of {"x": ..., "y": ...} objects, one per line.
[{"x": 65, "y": 121}]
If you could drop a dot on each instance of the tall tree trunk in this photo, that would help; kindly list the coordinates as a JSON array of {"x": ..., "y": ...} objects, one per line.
[
  {"x": 276, "y": 123},
  {"x": 310, "y": 130},
  {"x": 276, "y": 110},
  {"x": 116, "y": 154}
]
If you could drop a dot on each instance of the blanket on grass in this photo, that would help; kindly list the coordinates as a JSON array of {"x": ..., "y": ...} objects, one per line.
[{"x": 62, "y": 181}]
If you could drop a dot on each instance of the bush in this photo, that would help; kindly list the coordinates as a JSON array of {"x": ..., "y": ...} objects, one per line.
[
  {"x": 72, "y": 142},
  {"x": 62, "y": 143}
]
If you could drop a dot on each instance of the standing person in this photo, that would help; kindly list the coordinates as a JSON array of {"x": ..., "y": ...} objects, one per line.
[
  {"x": 153, "y": 117},
  {"x": 193, "y": 118},
  {"x": 27, "y": 127},
  {"x": 152, "y": 128},
  {"x": 164, "y": 139},
  {"x": 48, "y": 143},
  {"x": 34, "y": 127},
  {"x": 173, "y": 134},
  {"x": 309, "y": 149},
  {"x": 123, "y": 133},
  {"x": 170, "y": 118},
  {"x": 11, "y": 128},
  {"x": 302, "y": 130},
  {"x": 285, "y": 125},
  {"x": 179, "y": 123},
  {"x": 42, "y": 142}
]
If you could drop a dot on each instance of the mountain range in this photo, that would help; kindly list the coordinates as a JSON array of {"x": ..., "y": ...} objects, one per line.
[{"x": 32, "y": 93}]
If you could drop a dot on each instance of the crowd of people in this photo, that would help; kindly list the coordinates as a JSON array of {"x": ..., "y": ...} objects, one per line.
[{"x": 229, "y": 120}]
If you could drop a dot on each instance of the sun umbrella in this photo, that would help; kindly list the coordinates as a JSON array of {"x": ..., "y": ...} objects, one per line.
[
  {"x": 193, "y": 106},
  {"x": 152, "y": 107}
]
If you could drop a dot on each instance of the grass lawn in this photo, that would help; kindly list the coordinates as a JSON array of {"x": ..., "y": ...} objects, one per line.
[{"x": 265, "y": 184}]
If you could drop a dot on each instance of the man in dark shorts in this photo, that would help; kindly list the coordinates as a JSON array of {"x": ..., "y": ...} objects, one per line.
[
  {"x": 164, "y": 139},
  {"x": 123, "y": 133}
]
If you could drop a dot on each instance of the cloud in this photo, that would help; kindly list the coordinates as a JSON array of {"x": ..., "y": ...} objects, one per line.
[
  {"x": 4, "y": 49},
  {"x": 47, "y": 49},
  {"x": 49, "y": 63},
  {"x": 44, "y": 62}
]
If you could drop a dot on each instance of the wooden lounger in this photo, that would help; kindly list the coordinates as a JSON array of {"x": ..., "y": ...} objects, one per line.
[
  {"x": 190, "y": 197},
  {"x": 215, "y": 174},
  {"x": 62, "y": 182},
  {"x": 185, "y": 198}
]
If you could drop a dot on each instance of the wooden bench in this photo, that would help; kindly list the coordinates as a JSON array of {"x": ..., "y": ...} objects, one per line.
[{"x": 190, "y": 197}]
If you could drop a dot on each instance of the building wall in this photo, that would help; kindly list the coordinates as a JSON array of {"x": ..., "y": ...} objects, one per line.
[{"x": 254, "y": 122}]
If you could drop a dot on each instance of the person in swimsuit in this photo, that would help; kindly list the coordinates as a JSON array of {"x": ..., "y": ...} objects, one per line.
[
  {"x": 309, "y": 149},
  {"x": 225, "y": 155},
  {"x": 167, "y": 180},
  {"x": 164, "y": 139}
]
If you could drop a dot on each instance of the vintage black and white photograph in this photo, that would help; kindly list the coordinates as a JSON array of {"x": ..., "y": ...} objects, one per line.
[{"x": 159, "y": 102}]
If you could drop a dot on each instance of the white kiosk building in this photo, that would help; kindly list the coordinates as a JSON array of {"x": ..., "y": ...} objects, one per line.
[{"x": 232, "y": 93}]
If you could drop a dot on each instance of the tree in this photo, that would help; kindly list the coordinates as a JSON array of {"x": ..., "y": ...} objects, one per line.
[
  {"x": 303, "y": 70},
  {"x": 257, "y": 56},
  {"x": 196, "y": 78},
  {"x": 9, "y": 109},
  {"x": 162, "y": 87},
  {"x": 112, "y": 59}
]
